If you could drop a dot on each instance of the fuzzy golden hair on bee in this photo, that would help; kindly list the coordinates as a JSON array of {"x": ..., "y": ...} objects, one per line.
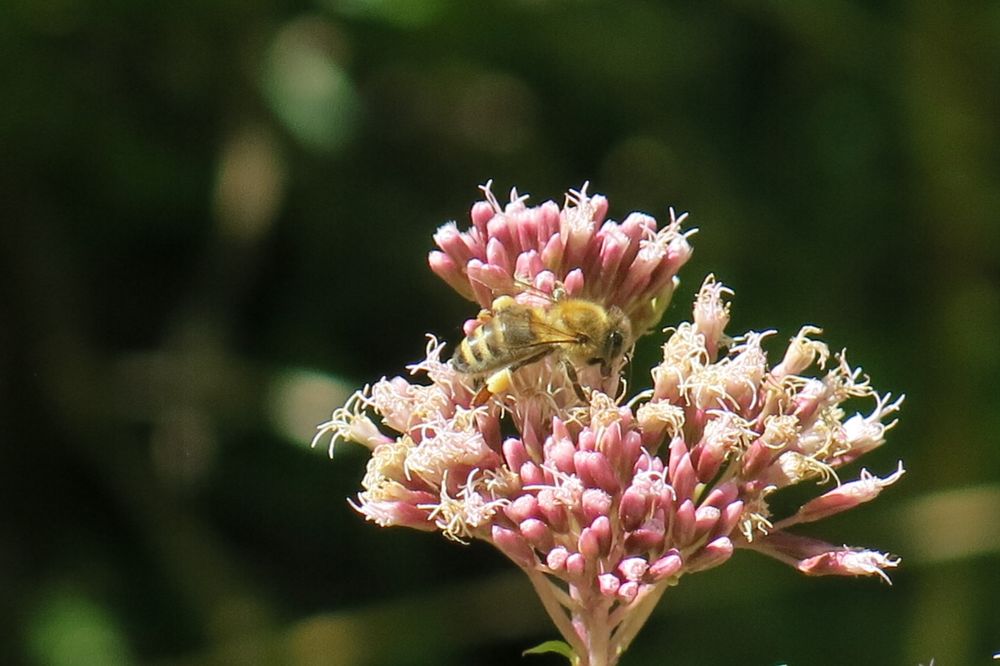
[{"x": 578, "y": 331}]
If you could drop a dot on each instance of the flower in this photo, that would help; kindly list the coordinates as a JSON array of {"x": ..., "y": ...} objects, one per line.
[{"x": 606, "y": 502}]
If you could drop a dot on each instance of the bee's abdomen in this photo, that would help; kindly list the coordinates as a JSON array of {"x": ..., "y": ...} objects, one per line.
[
  {"x": 481, "y": 351},
  {"x": 497, "y": 343}
]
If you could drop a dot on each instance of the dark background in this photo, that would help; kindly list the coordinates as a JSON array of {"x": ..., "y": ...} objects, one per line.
[{"x": 215, "y": 222}]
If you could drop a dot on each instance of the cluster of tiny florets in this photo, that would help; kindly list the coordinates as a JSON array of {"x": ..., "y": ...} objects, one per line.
[{"x": 613, "y": 498}]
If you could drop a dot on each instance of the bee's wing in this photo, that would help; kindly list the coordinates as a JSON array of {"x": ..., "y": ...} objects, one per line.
[
  {"x": 512, "y": 286},
  {"x": 526, "y": 334}
]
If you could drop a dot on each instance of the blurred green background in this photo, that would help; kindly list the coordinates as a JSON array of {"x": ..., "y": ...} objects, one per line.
[{"x": 215, "y": 224}]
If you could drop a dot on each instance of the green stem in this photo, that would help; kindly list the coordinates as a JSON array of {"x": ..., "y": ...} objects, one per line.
[
  {"x": 636, "y": 617},
  {"x": 544, "y": 588}
]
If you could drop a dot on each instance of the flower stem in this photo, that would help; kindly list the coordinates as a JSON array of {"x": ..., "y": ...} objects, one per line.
[
  {"x": 636, "y": 618},
  {"x": 543, "y": 587}
]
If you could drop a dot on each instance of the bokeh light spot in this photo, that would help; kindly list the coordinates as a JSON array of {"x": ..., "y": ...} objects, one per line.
[{"x": 307, "y": 86}]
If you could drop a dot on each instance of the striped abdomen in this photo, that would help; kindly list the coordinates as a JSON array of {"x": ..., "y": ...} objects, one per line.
[{"x": 508, "y": 337}]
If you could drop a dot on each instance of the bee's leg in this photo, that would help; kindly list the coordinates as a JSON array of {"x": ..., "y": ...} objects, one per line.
[
  {"x": 501, "y": 380},
  {"x": 528, "y": 361},
  {"x": 577, "y": 388}
]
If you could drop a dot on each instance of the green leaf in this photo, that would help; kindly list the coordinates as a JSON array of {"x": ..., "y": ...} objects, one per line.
[{"x": 559, "y": 647}]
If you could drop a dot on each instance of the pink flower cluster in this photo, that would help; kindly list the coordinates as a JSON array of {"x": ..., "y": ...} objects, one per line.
[{"x": 605, "y": 503}]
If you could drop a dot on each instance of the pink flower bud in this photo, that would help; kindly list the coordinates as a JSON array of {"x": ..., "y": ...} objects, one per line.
[
  {"x": 560, "y": 453},
  {"x": 756, "y": 459},
  {"x": 730, "y": 518},
  {"x": 595, "y": 471},
  {"x": 847, "y": 496},
  {"x": 684, "y": 523},
  {"x": 595, "y": 502},
  {"x": 614, "y": 245},
  {"x": 608, "y": 584},
  {"x": 633, "y": 508},
  {"x": 556, "y": 559},
  {"x": 611, "y": 446},
  {"x": 710, "y": 458},
  {"x": 497, "y": 255},
  {"x": 646, "y": 538},
  {"x": 683, "y": 477},
  {"x": 498, "y": 230},
  {"x": 532, "y": 474},
  {"x": 552, "y": 510},
  {"x": 666, "y": 566},
  {"x": 482, "y": 212},
  {"x": 454, "y": 244},
  {"x": 722, "y": 495},
  {"x": 587, "y": 440},
  {"x": 559, "y": 430},
  {"x": 849, "y": 562},
  {"x": 552, "y": 252},
  {"x": 705, "y": 520},
  {"x": 529, "y": 263},
  {"x": 632, "y": 447},
  {"x": 450, "y": 271},
  {"x": 576, "y": 565},
  {"x": 514, "y": 546},
  {"x": 628, "y": 591},
  {"x": 514, "y": 453},
  {"x": 574, "y": 282},
  {"x": 601, "y": 527},
  {"x": 589, "y": 544},
  {"x": 522, "y": 508},
  {"x": 712, "y": 555},
  {"x": 633, "y": 568},
  {"x": 537, "y": 534},
  {"x": 678, "y": 449}
]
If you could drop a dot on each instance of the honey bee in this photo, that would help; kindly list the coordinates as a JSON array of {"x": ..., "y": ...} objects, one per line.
[{"x": 581, "y": 332}]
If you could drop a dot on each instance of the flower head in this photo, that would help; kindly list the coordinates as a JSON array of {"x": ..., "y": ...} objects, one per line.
[{"x": 606, "y": 502}]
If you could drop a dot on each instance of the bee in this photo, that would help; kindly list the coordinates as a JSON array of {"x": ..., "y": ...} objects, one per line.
[{"x": 579, "y": 331}]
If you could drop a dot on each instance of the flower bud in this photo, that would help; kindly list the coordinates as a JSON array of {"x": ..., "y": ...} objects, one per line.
[
  {"x": 482, "y": 212},
  {"x": 848, "y": 562},
  {"x": 556, "y": 559},
  {"x": 712, "y": 555},
  {"x": 529, "y": 263},
  {"x": 453, "y": 243},
  {"x": 847, "y": 496},
  {"x": 722, "y": 495},
  {"x": 633, "y": 568},
  {"x": 552, "y": 510},
  {"x": 514, "y": 453},
  {"x": 683, "y": 477},
  {"x": 595, "y": 502},
  {"x": 522, "y": 508},
  {"x": 608, "y": 584},
  {"x": 633, "y": 508},
  {"x": 730, "y": 518},
  {"x": 628, "y": 591},
  {"x": 514, "y": 546},
  {"x": 684, "y": 523},
  {"x": 537, "y": 534},
  {"x": 705, "y": 520},
  {"x": 574, "y": 282},
  {"x": 560, "y": 453},
  {"x": 646, "y": 538},
  {"x": 595, "y": 471},
  {"x": 532, "y": 474},
  {"x": 666, "y": 566},
  {"x": 576, "y": 565}
]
